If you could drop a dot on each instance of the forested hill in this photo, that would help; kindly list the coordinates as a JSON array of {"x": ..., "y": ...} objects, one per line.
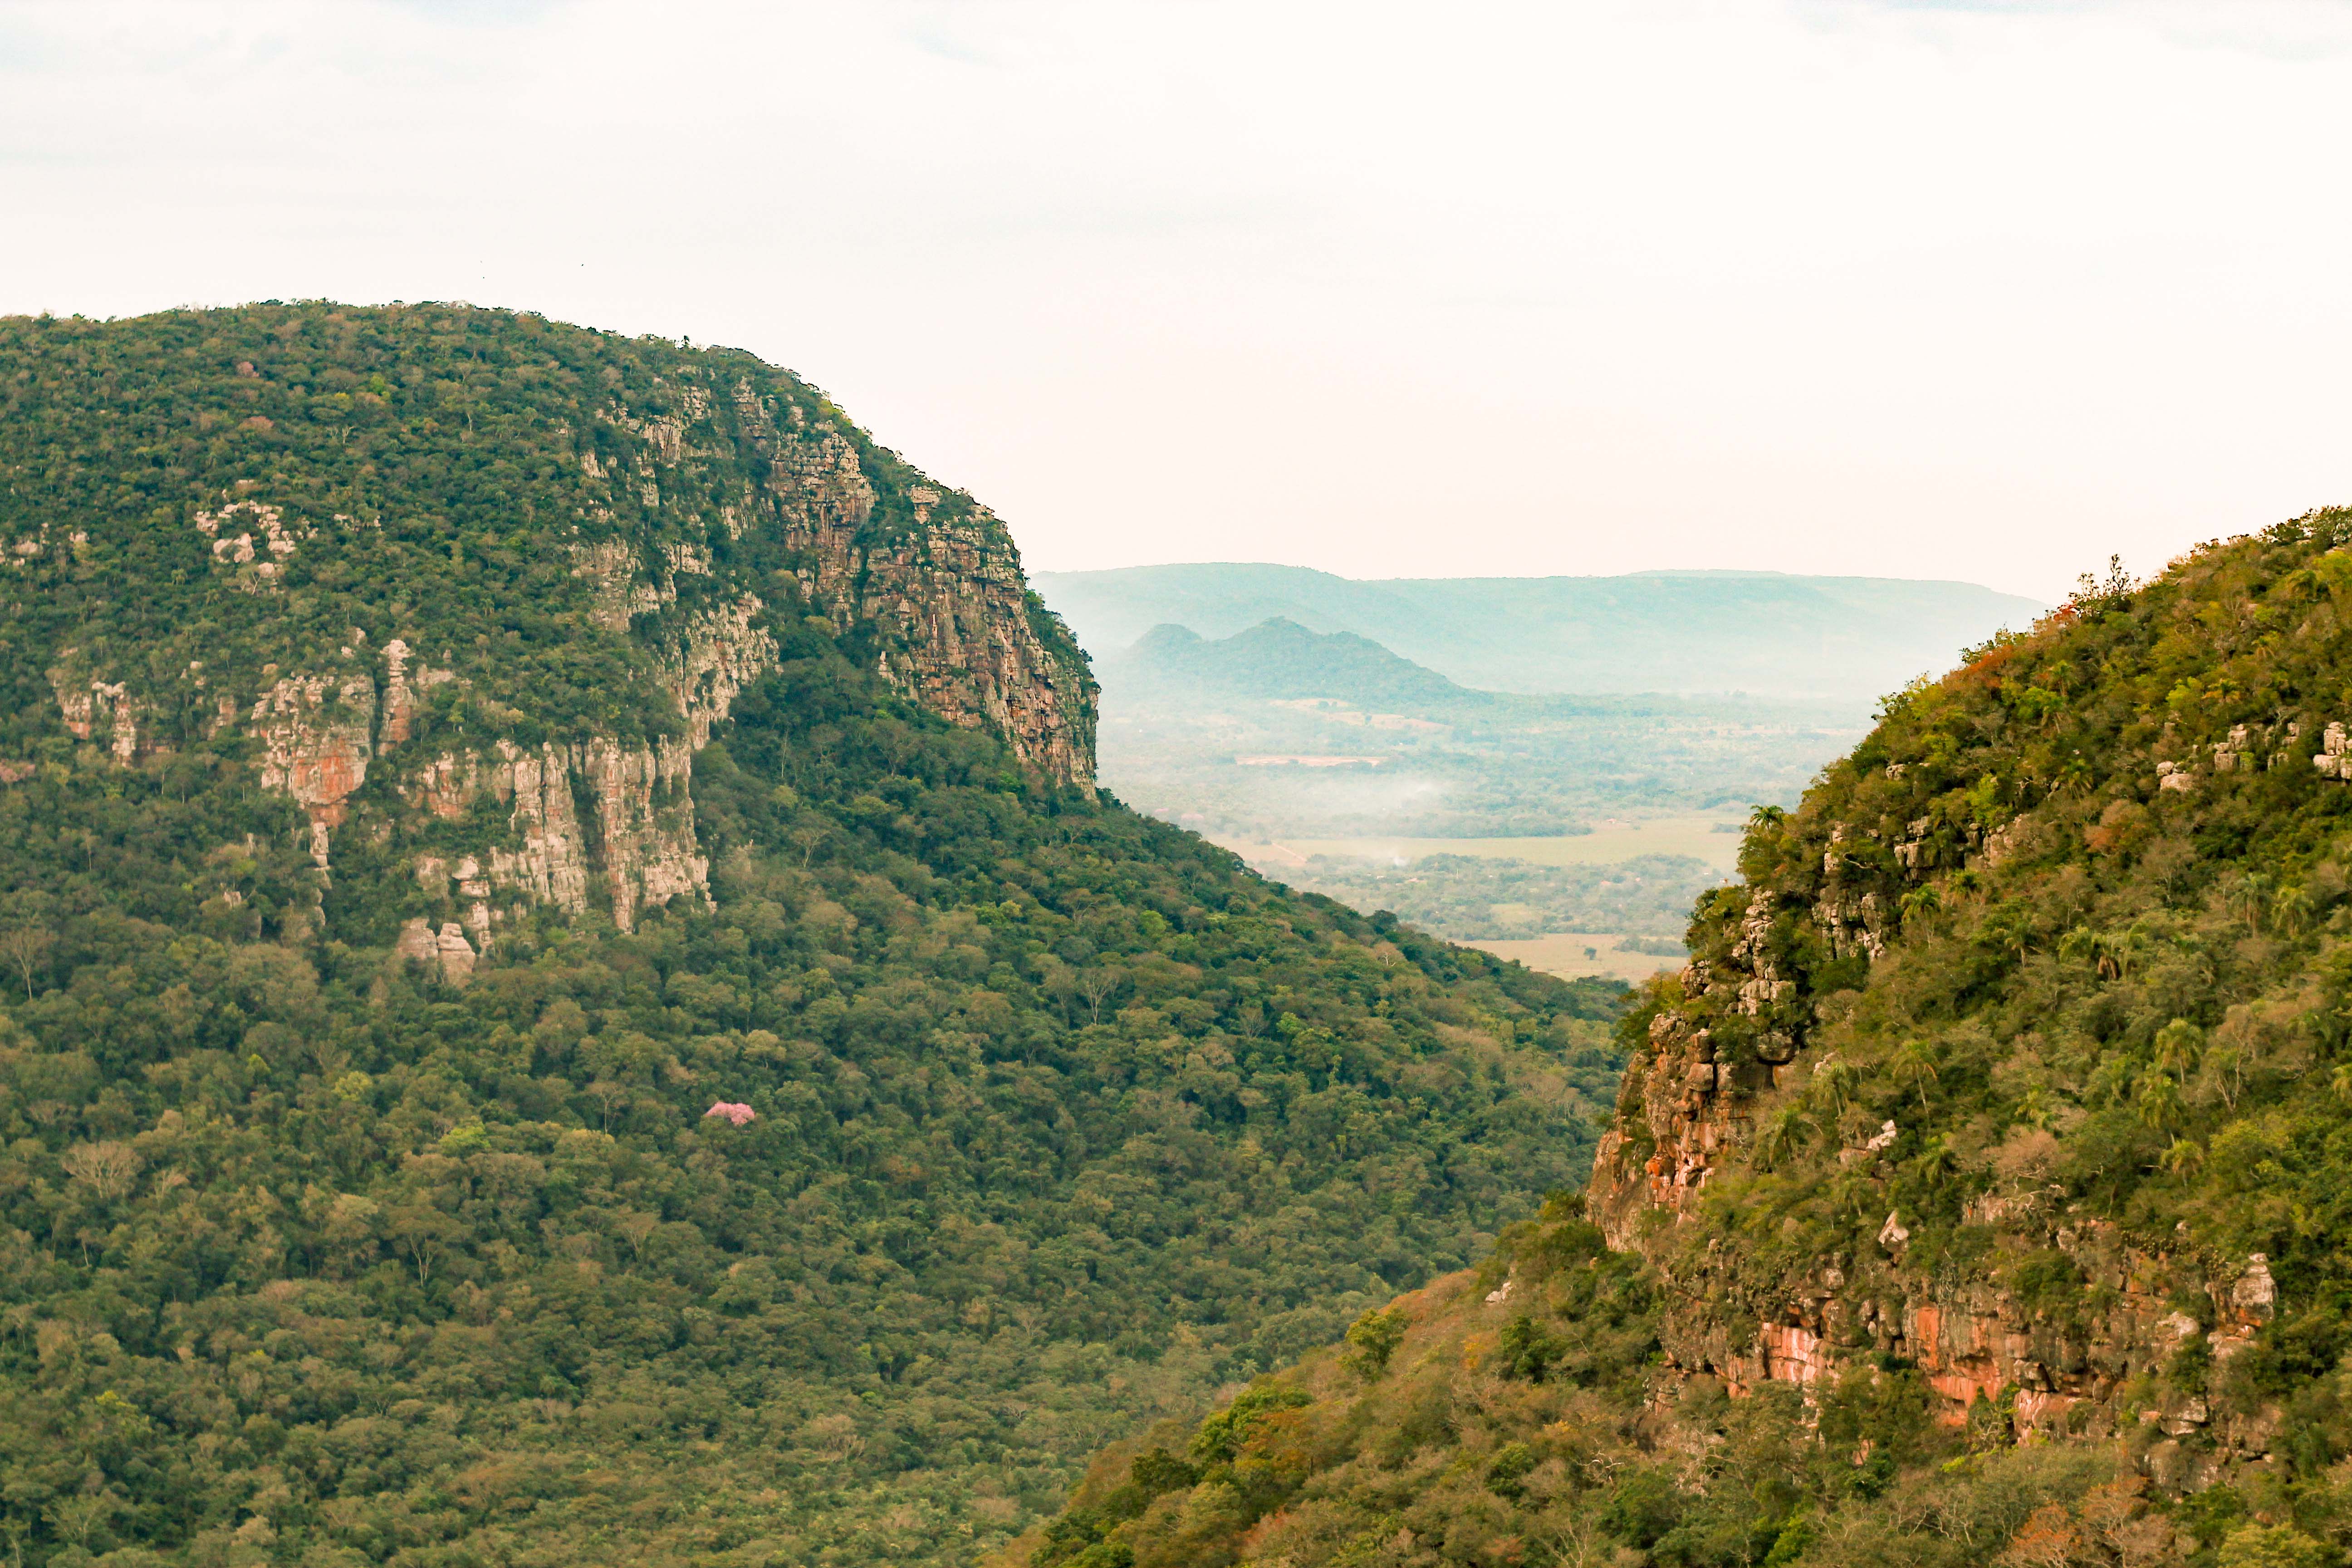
[
  {"x": 569, "y": 996},
  {"x": 1979, "y": 1193}
]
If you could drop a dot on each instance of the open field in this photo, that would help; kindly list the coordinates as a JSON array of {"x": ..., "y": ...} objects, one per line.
[
  {"x": 1563, "y": 953},
  {"x": 1607, "y": 842}
]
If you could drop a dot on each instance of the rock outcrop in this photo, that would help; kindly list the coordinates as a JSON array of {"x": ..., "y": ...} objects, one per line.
[
  {"x": 962, "y": 629},
  {"x": 1692, "y": 1108},
  {"x": 699, "y": 525},
  {"x": 951, "y": 593},
  {"x": 94, "y": 708},
  {"x": 1974, "y": 1341},
  {"x": 317, "y": 735}
]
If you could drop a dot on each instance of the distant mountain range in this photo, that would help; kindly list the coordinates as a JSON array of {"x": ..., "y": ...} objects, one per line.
[{"x": 1758, "y": 632}]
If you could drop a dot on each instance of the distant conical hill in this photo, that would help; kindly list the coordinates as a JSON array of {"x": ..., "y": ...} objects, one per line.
[
  {"x": 1281, "y": 658},
  {"x": 567, "y": 995},
  {"x": 1980, "y": 1193}
]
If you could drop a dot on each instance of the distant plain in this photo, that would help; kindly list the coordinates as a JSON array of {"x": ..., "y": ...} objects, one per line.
[
  {"x": 1538, "y": 767},
  {"x": 1573, "y": 955},
  {"x": 1608, "y": 843}
]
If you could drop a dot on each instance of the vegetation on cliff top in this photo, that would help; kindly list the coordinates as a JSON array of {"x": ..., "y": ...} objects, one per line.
[
  {"x": 2115, "y": 891},
  {"x": 2123, "y": 978},
  {"x": 1061, "y": 1118},
  {"x": 448, "y": 464}
]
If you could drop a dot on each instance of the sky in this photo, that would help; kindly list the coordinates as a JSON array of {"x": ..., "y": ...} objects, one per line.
[{"x": 1980, "y": 291}]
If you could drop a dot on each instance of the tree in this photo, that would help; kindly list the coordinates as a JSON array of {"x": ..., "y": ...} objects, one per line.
[
  {"x": 609, "y": 1097},
  {"x": 2291, "y": 909},
  {"x": 25, "y": 948},
  {"x": 77, "y": 1515},
  {"x": 1097, "y": 986},
  {"x": 1783, "y": 1132},
  {"x": 2252, "y": 894},
  {"x": 633, "y": 1225},
  {"x": 1915, "y": 1064},
  {"x": 2158, "y": 1097},
  {"x": 807, "y": 833},
  {"x": 2271, "y": 1546},
  {"x": 2177, "y": 1046},
  {"x": 1373, "y": 1338},
  {"x": 422, "y": 1232},
  {"x": 108, "y": 1169}
]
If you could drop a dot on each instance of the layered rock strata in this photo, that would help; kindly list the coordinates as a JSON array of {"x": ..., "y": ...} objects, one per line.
[
  {"x": 1690, "y": 1108},
  {"x": 963, "y": 640},
  {"x": 681, "y": 496}
]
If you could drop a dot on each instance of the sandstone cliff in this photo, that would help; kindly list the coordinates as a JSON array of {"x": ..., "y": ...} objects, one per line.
[
  {"x": 1954, "y": 1072},
  {"x": 1688, "y": 1117},
  {"x": 646, "y": 519}
]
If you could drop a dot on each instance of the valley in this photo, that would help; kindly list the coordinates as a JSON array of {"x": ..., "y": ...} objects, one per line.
[
  {"x": 576, "y": 990},
  {"x": 1335, "y": 765},
  {"x": 1175, "y": 784}
]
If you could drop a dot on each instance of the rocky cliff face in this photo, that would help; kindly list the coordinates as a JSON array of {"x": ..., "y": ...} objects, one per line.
[
  {"x": 1744, "y": 1063},
  {"x": 962, "y": 634},
  {"x": 2051, "y": 1373},
  {"x": 649, "y": 523}
]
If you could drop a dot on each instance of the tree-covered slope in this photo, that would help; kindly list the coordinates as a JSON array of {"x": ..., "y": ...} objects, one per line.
[
  {"x": 1977, "y": 1193},
  {"x": 699, "y": 1079}
]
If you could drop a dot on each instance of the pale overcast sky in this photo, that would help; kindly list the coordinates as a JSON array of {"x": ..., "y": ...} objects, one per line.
[{"x": 1982, "y": 292}]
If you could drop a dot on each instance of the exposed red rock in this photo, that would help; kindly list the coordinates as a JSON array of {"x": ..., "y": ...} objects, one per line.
[{"x": 595, "y": 822}]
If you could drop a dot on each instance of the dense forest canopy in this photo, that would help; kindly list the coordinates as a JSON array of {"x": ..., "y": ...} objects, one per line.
[{"x": 1036, "y": 1119}]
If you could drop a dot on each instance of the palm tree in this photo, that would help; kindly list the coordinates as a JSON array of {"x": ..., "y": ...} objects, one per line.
[
  {"x": 1782, "y": 1133},
  {"x": 1935, "y": 1161},
  {"x": 1915, "y": 1064},
  {"x": 2122, "y": 947},
  {"x": 2251, "y": 891},
  {"x": 2177, "y": 1046},
  {"x": 2158, "y": 1097},
  {"x": 1834, "y": 1080},
  {"x": 1920, "y": 901}
]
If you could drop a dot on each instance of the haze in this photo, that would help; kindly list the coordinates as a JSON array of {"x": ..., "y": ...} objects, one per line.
[{"x": 1979, "y": 292}]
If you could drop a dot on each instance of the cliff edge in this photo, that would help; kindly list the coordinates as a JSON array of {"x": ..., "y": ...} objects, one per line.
[{"x": 476, "y": 586}]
